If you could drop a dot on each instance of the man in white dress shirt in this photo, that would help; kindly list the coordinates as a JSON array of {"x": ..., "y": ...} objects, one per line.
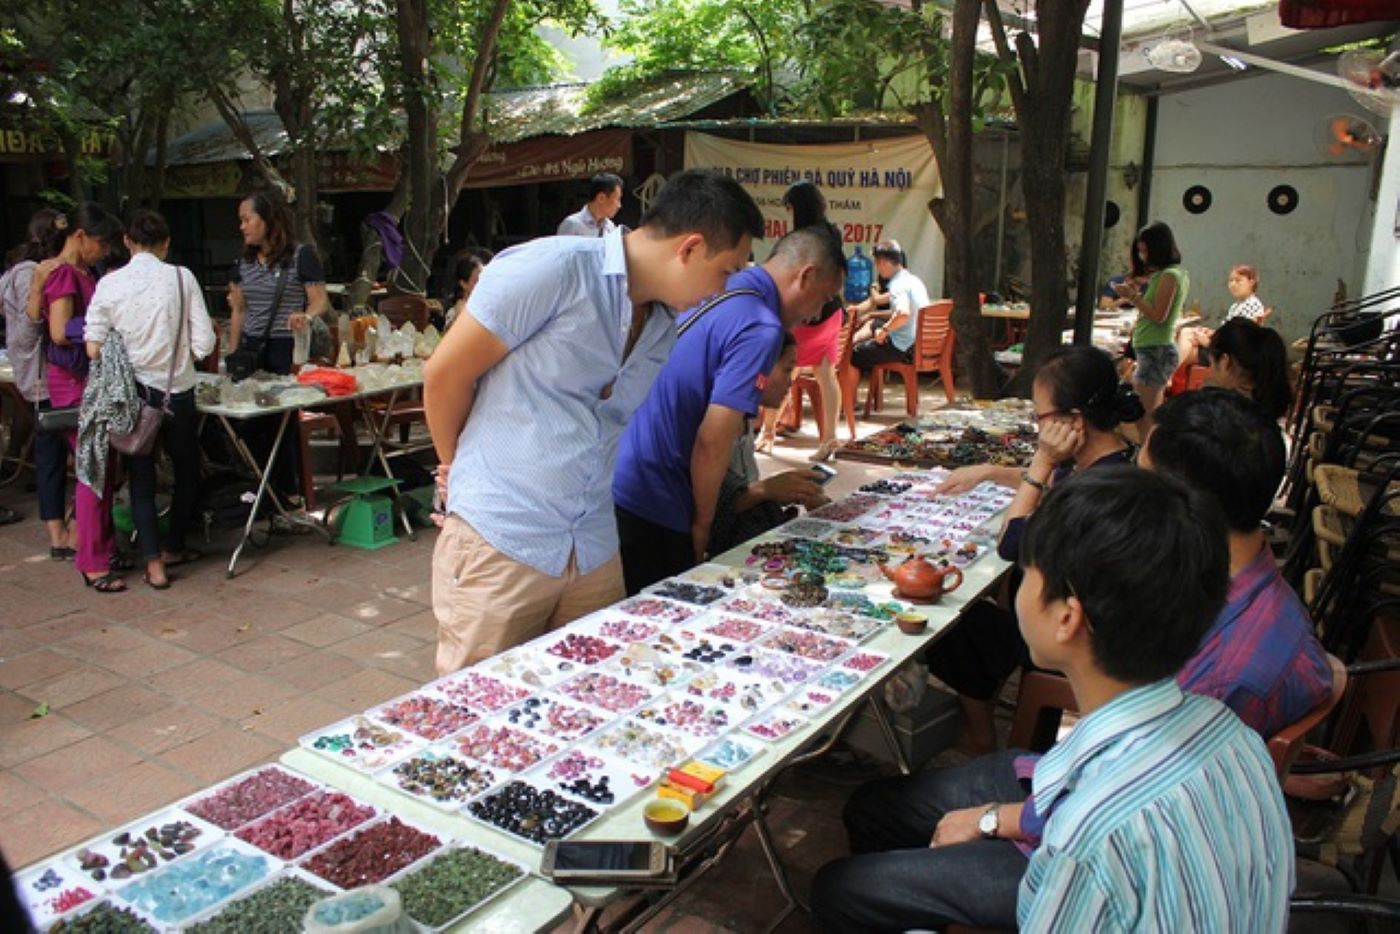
[{"x": 595, "y": 218}]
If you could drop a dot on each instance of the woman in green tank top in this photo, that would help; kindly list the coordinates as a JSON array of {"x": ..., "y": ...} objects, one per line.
[{"x": 1158, "y": 292}]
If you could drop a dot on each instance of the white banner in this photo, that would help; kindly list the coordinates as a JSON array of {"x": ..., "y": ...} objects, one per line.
[{"x": 874, "y": 190}]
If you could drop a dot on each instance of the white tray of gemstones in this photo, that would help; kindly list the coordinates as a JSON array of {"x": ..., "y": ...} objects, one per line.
[
  {"x": 181, "y": 890},
  {"x": 591, "y": 775},
  {"x": 425, "y": 715},
  {"x": 646, "y": 745},
  {"x": 362, "y": 744},
  {"x": 481, "y": 691},
  {"x": 691, "y": 715},
  {"x": 654, "y": 609},
  {"x": 503, "y": 748},
  {"x": 527, "y": 665},
  {"x": 607, "y": 690},
  {"x": 441, "y": 777},
  {"x": 556, "y": 718},
  {"x": 248, "y": 796},
  {"x": 142, "y": 846},
  {"x": 53, "y": 889},
  {"x": 731, "y": 753},
  {"x": 531, "y": 813},
  {"x": 746, "y": 694}
]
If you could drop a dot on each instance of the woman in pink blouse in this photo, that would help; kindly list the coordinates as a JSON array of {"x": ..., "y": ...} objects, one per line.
[{"x": 86, "y": 233}]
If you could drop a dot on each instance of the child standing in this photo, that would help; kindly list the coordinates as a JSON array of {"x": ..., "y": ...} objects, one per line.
[{"x": 1243, "y": 283}]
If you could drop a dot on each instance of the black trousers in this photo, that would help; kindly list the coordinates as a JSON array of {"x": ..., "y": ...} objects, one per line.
[
  {"x": 980, "y": 652},
  {"x": 868, "y": 353},
  {"x": 50, "y": 471},
  {"x": 180, "y": 437},
  {"x": 650, "y": 552}
]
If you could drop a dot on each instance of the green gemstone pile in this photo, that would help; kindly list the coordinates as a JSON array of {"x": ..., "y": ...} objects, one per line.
[
  {"x": 106, "y": 918},
  {"x": 277, "y": 909},
  {"x": 452, "y": 883}
]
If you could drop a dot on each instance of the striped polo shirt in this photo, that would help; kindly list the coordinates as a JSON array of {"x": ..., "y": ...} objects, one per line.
[
  {"x": 1165, "y": 815},
  {"x": 259, "y": 284}
]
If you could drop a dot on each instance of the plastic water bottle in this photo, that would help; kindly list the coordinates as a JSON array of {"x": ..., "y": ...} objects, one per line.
[{"x": 859, "y": 273}]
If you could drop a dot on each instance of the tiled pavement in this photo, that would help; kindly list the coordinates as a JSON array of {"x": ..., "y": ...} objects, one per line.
[{"x": 152, "y": 695}]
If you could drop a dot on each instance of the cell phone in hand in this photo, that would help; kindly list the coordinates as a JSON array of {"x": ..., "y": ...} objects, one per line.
[{"x": 825, "y": 473}]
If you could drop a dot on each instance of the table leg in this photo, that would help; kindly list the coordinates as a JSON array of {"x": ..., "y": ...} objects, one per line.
[
  {"x": 377, "y": 431},
  {"x": 877, "y": 711},
  {"x": 264, "y": 475},
  {"x": 775, "y": 865}
]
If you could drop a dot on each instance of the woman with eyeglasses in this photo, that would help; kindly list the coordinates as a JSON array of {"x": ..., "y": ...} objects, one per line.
[{"x": 1079, "y": 404}]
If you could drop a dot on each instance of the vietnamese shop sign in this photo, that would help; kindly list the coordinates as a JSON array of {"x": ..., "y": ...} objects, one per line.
[
  {"x": 874, "y": 190},
  {"x": 18, "y": 145}
]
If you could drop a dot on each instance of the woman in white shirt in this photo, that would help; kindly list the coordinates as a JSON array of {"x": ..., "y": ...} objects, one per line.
[{"x": 143, "y": 302}]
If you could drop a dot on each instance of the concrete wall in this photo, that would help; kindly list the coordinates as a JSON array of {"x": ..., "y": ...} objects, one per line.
[
  {"x": 1240, "y": 139},
  {"x": 1383, "y": 263}
]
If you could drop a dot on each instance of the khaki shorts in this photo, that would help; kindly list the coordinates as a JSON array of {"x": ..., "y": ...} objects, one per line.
[{"x": 486, "y": 602}]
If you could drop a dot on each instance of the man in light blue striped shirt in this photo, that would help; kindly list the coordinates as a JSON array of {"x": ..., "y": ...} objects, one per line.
[
  {"x": 527, "y": 396},
  {"x": 1165, "y": 813}
]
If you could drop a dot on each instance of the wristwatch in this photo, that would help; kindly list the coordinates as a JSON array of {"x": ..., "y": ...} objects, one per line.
[{"x": 989, "y": 822}]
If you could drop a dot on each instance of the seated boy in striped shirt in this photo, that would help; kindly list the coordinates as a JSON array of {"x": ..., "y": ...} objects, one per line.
[
  {"x": 1163, "y": 809},
  {"x": 1159, "y": 811}
]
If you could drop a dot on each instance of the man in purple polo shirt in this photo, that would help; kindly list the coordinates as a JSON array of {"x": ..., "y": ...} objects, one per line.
[
  {"x": 675, "y": 450},
  {"x": 1259, "y": 657}
]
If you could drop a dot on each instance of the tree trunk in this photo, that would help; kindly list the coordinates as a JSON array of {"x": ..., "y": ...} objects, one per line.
[
  {"x": 419, "y": 234},
  {"x": 950, "y": 137},
  {"x": 158, "y": 172},
  {"x": 433, "y": 194},
  {"x": 1042, "y": 94},
  {"x": 974, "y": 350}
]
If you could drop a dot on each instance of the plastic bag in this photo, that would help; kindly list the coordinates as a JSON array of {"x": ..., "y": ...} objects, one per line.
[
  {"x": 370, "y": 909},
  {"x": 334, "y": 382},
  {"x": 904, "y": 691}
]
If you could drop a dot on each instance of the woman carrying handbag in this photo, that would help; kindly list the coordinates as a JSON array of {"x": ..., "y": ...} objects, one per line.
[{"x": 158, "y": 310}]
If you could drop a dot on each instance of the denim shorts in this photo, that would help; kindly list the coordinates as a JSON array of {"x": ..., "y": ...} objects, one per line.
[{"x": 1155, "y": 365}]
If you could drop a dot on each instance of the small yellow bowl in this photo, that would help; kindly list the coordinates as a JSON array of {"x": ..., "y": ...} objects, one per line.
[
  {"x": 666, "y": 816},
  {"x": 911, "y": 624}
]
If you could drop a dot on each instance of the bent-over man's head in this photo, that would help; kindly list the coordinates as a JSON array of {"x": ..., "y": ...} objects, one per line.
[
  {"x": 698, "y": 231},
  {"x": 809, "y": 268}
]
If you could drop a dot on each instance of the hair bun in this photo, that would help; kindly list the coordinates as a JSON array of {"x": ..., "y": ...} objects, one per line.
[{"x": 1127, "y": 405}]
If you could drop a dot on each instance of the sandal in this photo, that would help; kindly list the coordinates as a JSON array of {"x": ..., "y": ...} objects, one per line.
[
  {"x": 121, "y": 562},
  {"x": 165, "y": 585},
  {"x": 62, "y": 553},
  {"x": 764, "y": 445},
  {"x": 183, "y": 556},
  {"x": 8, "y": 516},
  {"x": 107, "y": 583}
]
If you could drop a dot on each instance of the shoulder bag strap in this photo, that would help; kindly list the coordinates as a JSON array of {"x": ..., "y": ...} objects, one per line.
[
  {"x": 703, "y": 309},
  {"x": 179, "y": 332},
  {"x": 277, "y": 295}
]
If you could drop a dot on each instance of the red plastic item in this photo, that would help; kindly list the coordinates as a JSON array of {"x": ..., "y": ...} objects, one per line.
[{"x": 334, "y": 382}]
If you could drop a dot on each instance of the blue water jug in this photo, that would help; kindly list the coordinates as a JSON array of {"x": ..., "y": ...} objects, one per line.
[{"x": 859, "y": 274}]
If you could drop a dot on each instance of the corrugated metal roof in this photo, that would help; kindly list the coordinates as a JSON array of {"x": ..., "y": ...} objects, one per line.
[
  {"x": 214, "y": 142},
  {"x": 557, "y": 110},
  {"x": 562, "y": 109}
]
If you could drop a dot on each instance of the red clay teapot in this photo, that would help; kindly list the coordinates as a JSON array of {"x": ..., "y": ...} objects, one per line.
[{"x": 920, "y": 579}]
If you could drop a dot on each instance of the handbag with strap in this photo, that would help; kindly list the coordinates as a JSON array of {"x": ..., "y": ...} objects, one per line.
[
  {"x": 251, "y": 353},
  {"x": 141, "y": 440},
  {"x": 60, "y": 419}
]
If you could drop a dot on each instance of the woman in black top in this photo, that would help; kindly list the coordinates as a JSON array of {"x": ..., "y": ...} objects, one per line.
[{"x": 256, "y": 284}]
